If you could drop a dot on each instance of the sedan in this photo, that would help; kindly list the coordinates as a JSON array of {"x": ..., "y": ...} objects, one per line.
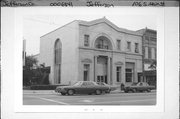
[
  {"x": 140, "y": 86},
  {"x": 82, "y": 87}
]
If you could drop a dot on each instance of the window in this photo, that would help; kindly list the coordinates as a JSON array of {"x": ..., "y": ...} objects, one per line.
[
  {"x": 153, "y": 53},
  {"x": 146, "y": 52},
  {"x": 118, "y": 44},
  {"x": 149, "y": 53},
  {"x": 86, "y": 40},
  {"x": 57, "y": 52},
  {"x": 118, "y": 74},
  {"x": 57, "y": 61},
  {"x": 129, "y": 74},
  {"x": 103, "y": 42},
  {"x": 86, "y": 72},
  {"x": 129, "y": 46},
  {"x": 136, "y": 48}
]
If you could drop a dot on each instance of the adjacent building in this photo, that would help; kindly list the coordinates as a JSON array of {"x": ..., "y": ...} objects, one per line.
[
  {"x": 149, "y": 55},
  {"x": 97, "y": 51}
]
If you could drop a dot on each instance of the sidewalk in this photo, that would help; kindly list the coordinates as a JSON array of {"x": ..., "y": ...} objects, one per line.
[{"x": 53, "y": 92}]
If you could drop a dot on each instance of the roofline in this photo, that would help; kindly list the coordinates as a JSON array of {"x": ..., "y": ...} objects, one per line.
[
  {"x": 136, "y": 34},
  {"x": 58, "y": 28},
  {"x": 90, "y": 23},
  {"x": 147, "y": 29},
  {"x": 151, "y": 30}
]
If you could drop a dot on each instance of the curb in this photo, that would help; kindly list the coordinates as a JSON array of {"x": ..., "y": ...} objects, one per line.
[{"x": 53, "y": 92}]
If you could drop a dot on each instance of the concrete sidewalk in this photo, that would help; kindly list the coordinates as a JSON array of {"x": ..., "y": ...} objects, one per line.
[{"x": 53, "y": 92}]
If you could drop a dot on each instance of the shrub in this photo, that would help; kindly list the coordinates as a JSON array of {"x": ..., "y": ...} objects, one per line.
[{"x": 45, "y": 87}]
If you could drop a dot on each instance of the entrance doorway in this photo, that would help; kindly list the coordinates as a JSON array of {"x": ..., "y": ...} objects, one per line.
[
  {"x": 102, "y": 69},
  {"x": 86, "y": 72},
  {"x": 102, "y": 79}
]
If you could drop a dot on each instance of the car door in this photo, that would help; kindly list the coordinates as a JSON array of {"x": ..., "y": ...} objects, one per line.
[
  {"x": 83, "y": 89},
  {"x": 91, "y": 87},
  {"x": 79, "y": 88}
]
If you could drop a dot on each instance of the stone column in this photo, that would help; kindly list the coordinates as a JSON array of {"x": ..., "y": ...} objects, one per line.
[
  {"x": 109, "y": 70},
  {"x": 95, "y": 68}
]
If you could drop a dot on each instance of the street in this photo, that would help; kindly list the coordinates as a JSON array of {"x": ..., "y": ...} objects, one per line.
[{"x": 104, "y": 99}]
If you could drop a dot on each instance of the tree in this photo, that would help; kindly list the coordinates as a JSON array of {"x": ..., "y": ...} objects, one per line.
[
  {"x": 30, "y": 61},
  {"x": 153, "y": 65}
]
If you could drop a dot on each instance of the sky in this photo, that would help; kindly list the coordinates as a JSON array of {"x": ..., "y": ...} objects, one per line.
[{"x": 35, "y": 26}]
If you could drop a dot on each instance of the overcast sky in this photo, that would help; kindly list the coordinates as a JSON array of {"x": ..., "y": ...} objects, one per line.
[{"x": 37, "y": 25}]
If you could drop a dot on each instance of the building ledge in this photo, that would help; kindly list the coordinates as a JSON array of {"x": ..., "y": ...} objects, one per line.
[{"x": 112, "y": 51}]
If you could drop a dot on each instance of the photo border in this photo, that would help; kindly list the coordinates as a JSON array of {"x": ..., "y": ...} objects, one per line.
[{"x": 21, "y": 12}]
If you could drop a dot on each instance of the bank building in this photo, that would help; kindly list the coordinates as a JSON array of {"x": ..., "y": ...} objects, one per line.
[{"x": 95, "y": 50}]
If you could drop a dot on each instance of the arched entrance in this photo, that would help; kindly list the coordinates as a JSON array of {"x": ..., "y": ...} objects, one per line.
[
  {"x": 102, "y": 60},
  {"x": 57, "y": 61}
]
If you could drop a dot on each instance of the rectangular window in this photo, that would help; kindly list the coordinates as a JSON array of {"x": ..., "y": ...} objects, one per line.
[
  {"x": 86, "y": 72},
  {"x": 129, "y": 74},
  {"x": 86, "y": 40},
  {"x": 118, "y": 74},
  {"x": 119, "y": 44},
  {"x": 129, "y": 46},
  {"x": 136, "y": 48},
  {"x": 146, "y": 52},
  {"x": 149, "y": 53},
  {"x": 153, "y": 53}
]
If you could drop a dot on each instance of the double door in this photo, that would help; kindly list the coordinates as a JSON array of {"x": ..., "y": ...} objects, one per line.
[{"x": 102, "y": 78}]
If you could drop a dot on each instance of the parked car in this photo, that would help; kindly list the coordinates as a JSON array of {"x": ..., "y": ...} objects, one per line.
[
  {"x": 111, "y": 88},
  {"x": 138, "y": 87},
  {"x": 82, "y": 87}
]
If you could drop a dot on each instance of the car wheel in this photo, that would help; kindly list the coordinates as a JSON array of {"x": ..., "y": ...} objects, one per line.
[
  {"x": 98, "y": 92},
  {"x": 63, "y": 93},
  {"x": 108, "y": 91},
  {"x": 126, "y": 91},
  {"x": 70, "y": 92}
]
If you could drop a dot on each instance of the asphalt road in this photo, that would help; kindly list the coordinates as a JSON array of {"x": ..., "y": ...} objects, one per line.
[{"x": 105, "y": 99}]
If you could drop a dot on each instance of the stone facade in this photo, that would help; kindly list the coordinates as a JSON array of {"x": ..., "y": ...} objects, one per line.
[{"x": 97, "y": 51}]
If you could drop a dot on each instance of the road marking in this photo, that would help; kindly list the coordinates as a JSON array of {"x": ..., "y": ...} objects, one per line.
[
  {"x": 88, "y": 101},
  {"x": 54, "y": 101},
  {"x": 46, "y": 99}
]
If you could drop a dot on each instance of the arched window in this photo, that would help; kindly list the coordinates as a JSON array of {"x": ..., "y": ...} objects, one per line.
[
  {"x": 103, "y": 42},
  {"x": 57, "y": 61}
]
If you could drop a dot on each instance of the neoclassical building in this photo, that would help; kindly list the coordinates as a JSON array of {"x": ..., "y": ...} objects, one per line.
[{"x": 97, "y": 50}]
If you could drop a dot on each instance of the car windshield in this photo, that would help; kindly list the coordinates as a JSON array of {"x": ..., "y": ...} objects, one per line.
[
  {"x": 100, "y": 83},
  {"x": 77, "y": 84}
]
